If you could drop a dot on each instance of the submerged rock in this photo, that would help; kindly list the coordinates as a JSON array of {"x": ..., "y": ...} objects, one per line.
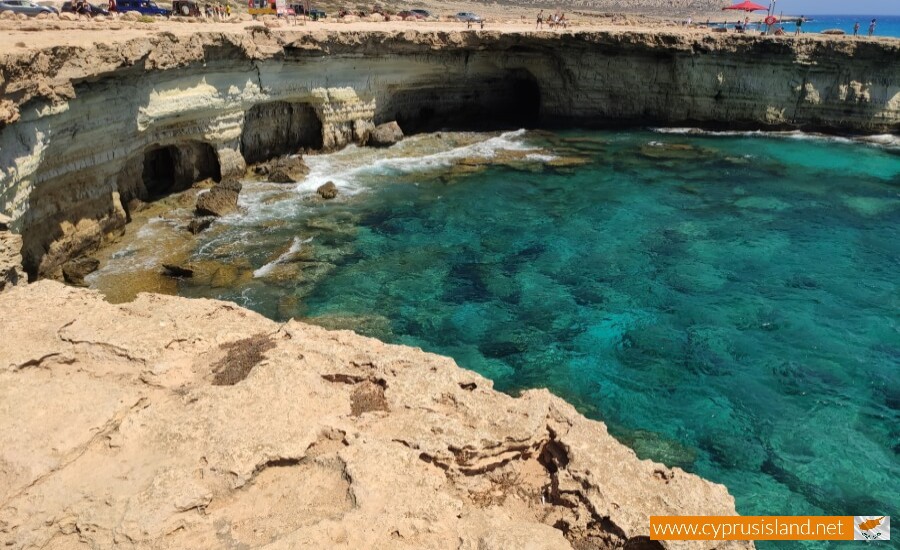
[
  {"x": 177, "y": 271},
  {"x": 220, "y": 200},
  {"x": 74, "y": 271},
  {"x": 373, "y": 325},
  {"x": 11, "y": 272},
  {"x": 385, "y": 135},
  {"x": 200, "y": 224},
  {"x": 328, "y": 191},
  {"x": 673, "y": 151},
  {"x": 287, "y": 170},
  {"x": 134, "y": 206}
]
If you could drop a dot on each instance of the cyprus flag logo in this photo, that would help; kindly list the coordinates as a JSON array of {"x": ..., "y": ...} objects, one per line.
[{"x": 871, "y": 527}]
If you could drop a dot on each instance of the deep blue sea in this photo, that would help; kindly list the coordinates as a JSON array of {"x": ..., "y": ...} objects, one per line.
[
  {"x": 886, "y": 25},
  {"x": 726, "y": 303}
]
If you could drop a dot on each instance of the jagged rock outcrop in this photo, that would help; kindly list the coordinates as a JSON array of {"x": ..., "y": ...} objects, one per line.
[
  {"x": 200, "y": 224},
  {"x": 290, "y": 169},
  {"x": 168, "y": 110},
  {"x": 327, "y": 190},
  {"x": 74, "y": 271},
  {"x": 170, "y": 423},
  {"x": 11, "y": 272},
  {"x": 386, "y": 134},
  {"x": 221, "y": 200}
]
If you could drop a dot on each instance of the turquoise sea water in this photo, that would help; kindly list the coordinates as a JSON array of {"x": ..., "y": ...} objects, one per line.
[
  {"x": 729, "y": 304},
  {"x": 886, "y": 25}
]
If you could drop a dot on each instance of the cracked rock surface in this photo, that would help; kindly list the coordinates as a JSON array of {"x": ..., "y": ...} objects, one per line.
[{"x": 174, "y": 423}]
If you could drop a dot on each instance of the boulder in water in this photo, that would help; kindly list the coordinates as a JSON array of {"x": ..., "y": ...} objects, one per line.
[
  {"x": 11, "y": 272},
  {"x": 328, "y": 190},
  {"x": 287, "y": 170},
  {"x": 74, "y": 271},
  {"x": 220, "y": 200},
  {"x": 386, "y": 134},
  {"x": 135, "y": 205},
  {"x": 200, "y": 224}
]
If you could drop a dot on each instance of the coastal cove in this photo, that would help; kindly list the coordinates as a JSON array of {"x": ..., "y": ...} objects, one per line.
[
  {"x": 392, "y": 288},
  {"x": 698, "y": 292}
]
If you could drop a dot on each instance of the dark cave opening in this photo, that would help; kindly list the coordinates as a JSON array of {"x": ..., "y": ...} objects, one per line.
[
  {"x": 159, "y": 171},
  {"x": 279, "y": 128},
  {"x": 171, "y": 168},
  {"x": 505, "y": 101}
]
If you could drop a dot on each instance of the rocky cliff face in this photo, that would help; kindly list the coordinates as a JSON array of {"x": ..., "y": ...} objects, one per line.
[
  {"x": 85, "y": 131},
  {"x": 170, "y": 423},
  {"x": 11, "y": 273}
]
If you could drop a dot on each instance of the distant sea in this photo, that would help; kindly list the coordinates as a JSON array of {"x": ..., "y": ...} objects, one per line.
[{"x": 886, "y": 26}]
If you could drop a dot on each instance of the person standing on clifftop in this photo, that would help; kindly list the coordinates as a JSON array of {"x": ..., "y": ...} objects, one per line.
[
  {"x": 540, "y": 20},
  {"x": 856, "y": 29},
  {"x": 872, "y": 28}
]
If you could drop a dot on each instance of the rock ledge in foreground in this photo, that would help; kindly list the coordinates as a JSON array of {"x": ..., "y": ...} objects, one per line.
[{"x": 173, "y": 423}]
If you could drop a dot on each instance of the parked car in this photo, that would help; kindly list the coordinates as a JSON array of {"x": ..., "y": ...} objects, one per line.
[
  {"x": 465, "y": 16},
  {"x": 27, "y": 7},
  {"x": 187, "y": 8},
  {"x": 408, "y": 14},
  {"x": 95, "y": 10},
  {"x": 144, "y": 7},
  {"x": 424, "y": 13}
]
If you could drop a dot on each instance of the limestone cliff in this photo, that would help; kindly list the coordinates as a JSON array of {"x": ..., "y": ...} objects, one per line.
[
  {"x": 11, "y": 273},
  {"x": 82, "y": 132},
  {"x": 170, "y": 423}
]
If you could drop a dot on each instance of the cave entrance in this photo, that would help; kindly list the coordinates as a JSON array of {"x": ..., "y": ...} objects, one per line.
[
  {"x": 279, "y": 128},
  {"x": 171, "y": 168},
  {"x": 503, "y": 101},
  {"x": 159, "y": 171}
]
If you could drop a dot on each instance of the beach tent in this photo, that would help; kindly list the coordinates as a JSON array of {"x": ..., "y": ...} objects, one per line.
[{"x": 747, "y": 6}]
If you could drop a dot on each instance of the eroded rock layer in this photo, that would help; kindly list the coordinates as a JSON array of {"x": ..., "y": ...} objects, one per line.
[
  {"x": 170, "y": 423},
  {"x": 85, "y": 131}
]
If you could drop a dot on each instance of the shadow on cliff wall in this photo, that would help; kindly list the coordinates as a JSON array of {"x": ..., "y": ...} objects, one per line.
[
  {"x": 171, "y": 168},
  {"x": 504, "y": 100},
  {"x": 279, "y": 128}
]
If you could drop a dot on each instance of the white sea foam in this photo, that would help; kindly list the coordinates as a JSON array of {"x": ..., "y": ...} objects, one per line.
[
  {"x": 539, "y": 157},
  {"x": 144, "y": 252},
  {"x": 296, "y": 245},
  {"x": 352, "y": 170},
  {"x": 345, "y": 167},
  {"x": 881, "y": 140}
]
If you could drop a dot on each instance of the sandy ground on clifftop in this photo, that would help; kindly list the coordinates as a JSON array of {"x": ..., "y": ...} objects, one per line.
[
  {"x": 20, "y": 36},
  {"x": 28, "y": 35}
]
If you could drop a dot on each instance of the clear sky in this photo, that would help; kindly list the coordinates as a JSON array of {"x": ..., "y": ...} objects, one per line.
[{"x": 862, "y": 7}]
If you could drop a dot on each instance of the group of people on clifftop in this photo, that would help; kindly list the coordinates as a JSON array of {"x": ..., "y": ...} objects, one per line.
[
  {"x": 871, "y": 28},
  {"x": 856, "y": 27},
  {"x": 558, "y": 19},
  {"x": 771, "y": 27}
]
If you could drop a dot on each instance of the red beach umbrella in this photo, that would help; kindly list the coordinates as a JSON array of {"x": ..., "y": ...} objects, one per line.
[{"x": 747, "y": 6}]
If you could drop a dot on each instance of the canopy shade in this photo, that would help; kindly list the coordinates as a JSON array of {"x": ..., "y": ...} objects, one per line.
[{"x": 747, "y": 5}]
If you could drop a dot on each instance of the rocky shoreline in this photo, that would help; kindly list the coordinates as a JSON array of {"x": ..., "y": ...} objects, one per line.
[
  {"x": 186, "y": 108},
  {"x": 177, "y": 423}
]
